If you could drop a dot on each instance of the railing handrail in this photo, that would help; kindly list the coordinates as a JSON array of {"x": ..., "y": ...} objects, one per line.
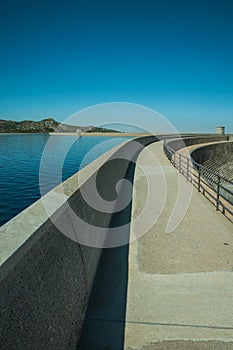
[
  {"x": 203, "y": 168},
  {"x": 203, "y": 172}
]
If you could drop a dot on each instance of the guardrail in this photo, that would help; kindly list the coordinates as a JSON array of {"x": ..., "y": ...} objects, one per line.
[{"x": 211, "y": 184}]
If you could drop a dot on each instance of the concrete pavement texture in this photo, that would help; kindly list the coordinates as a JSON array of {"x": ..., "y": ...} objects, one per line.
[{"x": 170, "y": 289}]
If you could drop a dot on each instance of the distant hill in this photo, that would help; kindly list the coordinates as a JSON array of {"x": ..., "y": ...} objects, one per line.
[{"x": 45, "y": 126}]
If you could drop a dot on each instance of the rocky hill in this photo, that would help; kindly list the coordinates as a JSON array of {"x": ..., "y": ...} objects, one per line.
[{"x": 44, "y": 126}]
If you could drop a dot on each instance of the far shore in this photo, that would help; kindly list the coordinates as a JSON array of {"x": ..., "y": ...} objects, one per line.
[
  {"x": 119, "y": 134},
  {"x": 109, "y": 134},
  {"x": 23, "y": 133}
]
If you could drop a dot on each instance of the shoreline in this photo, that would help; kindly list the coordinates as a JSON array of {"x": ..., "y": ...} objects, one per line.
[
  {"x": 117, "y": 134},
  {"x": 109, "y": 134},
  {"x": 23, "y": 133}
]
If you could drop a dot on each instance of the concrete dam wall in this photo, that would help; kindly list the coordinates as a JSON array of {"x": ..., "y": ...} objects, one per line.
[
  {"x": 217, "y": 159},
  {"x": 49, "y": 259},
  {"x": 51, "y": 251},
  {"x": 180, "y": 143},
  {"x": 213, "y": 152},
  {"x": 211, "y": 157}
]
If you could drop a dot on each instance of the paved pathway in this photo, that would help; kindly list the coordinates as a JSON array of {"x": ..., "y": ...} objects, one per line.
[
  {"x": 180, "y": 286},
  {"x": 166, "y": 291}
]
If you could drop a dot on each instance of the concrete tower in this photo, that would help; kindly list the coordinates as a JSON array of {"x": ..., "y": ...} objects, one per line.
[{"x": 220, "y": 130}]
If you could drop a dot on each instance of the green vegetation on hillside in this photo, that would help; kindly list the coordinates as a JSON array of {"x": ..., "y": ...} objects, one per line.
[{"x": 45, "y": 126}]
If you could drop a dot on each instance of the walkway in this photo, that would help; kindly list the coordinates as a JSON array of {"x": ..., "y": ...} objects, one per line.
[{"x": 176, "y": 291}]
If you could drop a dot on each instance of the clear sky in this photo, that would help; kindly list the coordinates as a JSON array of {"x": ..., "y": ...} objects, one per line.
[{"x": 174, "y": 56}]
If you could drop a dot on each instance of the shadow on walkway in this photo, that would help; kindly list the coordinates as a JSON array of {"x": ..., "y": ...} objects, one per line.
[
  {"x": 104, "y": 324},
  {"x": 105, "y": 318}
]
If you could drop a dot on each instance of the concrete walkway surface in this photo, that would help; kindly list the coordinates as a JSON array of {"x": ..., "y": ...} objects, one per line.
[{"x": 165, "y": 291}]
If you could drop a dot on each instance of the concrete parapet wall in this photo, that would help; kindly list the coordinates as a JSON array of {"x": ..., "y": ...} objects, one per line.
[
  {"x": 46, "y": 277},
  {"x": 204, "y": 153},
  {"x": 43, "y": 298},
  {"x": 217, "y": 159},
  {"x": 177, "y": 144}
]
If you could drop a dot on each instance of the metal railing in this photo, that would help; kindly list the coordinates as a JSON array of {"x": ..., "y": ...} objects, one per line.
[{"x": 217, "y": 188}]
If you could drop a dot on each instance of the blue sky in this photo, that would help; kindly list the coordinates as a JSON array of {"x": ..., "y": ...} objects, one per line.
[{"x": 174, "y": 56}]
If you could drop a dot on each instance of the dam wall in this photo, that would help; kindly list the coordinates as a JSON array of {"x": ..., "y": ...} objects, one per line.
[
  {"x": 212, "y": 151},
  {"x": 217, "y": 166},
  {"x": 180, "y": 143},
  {"x": 49, "y": 253},
  {"x": 47, "y": 263}
]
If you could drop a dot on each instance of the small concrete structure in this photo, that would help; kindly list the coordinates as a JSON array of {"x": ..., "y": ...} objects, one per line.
[{"x": 220, "y": 130}]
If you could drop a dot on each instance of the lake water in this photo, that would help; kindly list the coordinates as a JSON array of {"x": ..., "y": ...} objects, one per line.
[{"x": 20, "y": 159}]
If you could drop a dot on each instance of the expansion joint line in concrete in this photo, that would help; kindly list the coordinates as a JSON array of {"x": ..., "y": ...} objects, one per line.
[{"x": 160, "y": 324}]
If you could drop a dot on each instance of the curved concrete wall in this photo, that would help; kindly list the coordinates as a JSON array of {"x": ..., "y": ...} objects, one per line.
[
  {"x": 46, "y": 277},
  {"x": 202, "y": 154},
  {"x": 177, "y": 144},
  {"x": 216, "y": 158}
]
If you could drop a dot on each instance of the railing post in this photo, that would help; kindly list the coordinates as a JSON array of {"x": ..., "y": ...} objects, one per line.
[
  {"x": 218, "y": 192},
  {"x": 199, "y": 179},
  {"x": 180, "y": 162},
  {"x": 175, "y": 158},
  {"x": 187, "y": 168}
]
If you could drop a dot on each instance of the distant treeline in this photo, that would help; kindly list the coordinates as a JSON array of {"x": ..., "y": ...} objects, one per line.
[{"x": 45, "y": 126}]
